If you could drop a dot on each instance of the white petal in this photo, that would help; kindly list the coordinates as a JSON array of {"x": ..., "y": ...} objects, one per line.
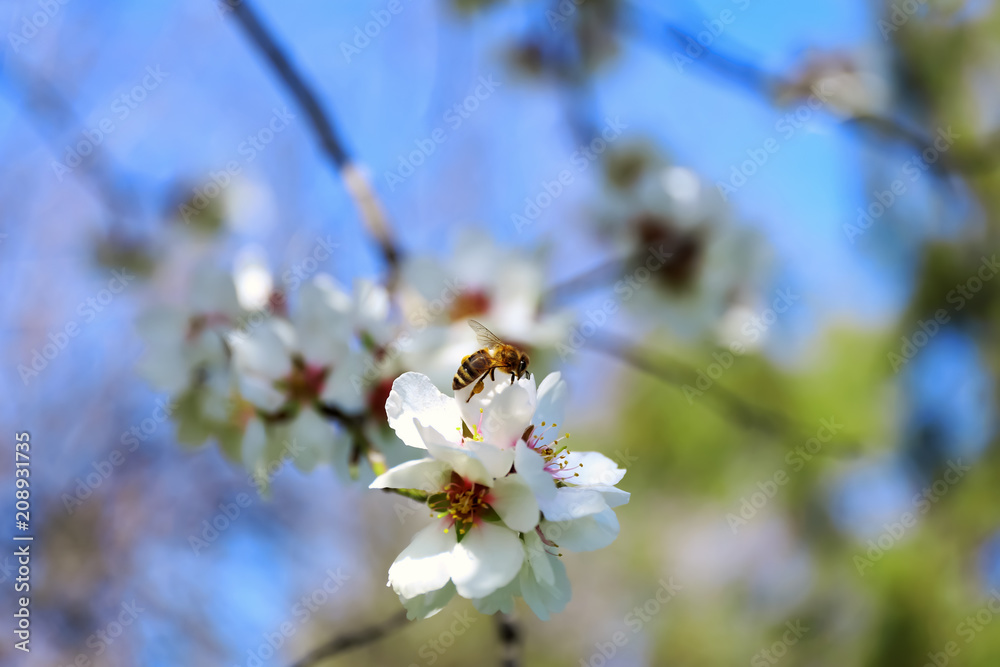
[
  {"x": 572, "y": 503},
  {"x": 322, "y": 322},
  {"x": 260, "y": 392},
  {"x": 531, "y": 466},
  {"x": 253, "y": 279},
  {"x": 461, "y": 460},
  {"x": 501, "y": 600},
  {"x": 593, "y": 468},
  {"x": 264, "y": 350},
  {"x": 506, "y": 410},
  {"x": 497, "y": 461},
  {"x": 345, "y": 386},
  {"x": 330, "y": 293},
  {"x": 371, "y": 304},
  {"x": 514, "y": 501},
  {"x": 476, "y": 411},
  {"x": 552, "y": 394},
  {"x": 487, "y": 559},
  {"x": 614, "y": 497},
  {"x": 312, "y": 440},
  {"x": 414, "y": 396},
  {"x": 546, "y": 598},
  {"x": 205, "y": 349},
  {"x": 423, "y": 566},
  {"x": 585, "y": 534},
  {"x": 427, "y": 475},
  {"x": 213, "y": 291},
  {"x": 537, "y": 556},
  {"x": 425, "y": 606}
]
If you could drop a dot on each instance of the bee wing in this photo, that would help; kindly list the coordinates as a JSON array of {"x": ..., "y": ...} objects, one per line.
[{"x": 485, "y": 337}]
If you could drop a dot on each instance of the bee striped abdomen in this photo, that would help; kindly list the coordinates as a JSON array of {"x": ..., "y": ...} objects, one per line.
[{"x": 473, "y": 366}]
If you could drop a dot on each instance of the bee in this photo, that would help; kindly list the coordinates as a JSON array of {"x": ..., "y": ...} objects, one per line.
[{"x": 495, "y": 354}]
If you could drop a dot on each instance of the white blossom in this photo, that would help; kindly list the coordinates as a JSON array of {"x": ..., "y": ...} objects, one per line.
[{"x": 504, "y": 498}]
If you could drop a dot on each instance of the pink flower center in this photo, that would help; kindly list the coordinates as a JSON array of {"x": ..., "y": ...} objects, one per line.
[{"x": 556, "y": 456}]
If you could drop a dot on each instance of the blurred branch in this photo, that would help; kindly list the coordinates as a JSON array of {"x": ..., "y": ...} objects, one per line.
[
  {"x": 727, "y": 402},
  {"x": 353, "y": 640},
  {"x": 652, "y": 29},
  {"x": 510, "y": 640},
  {"x": 46, "y": 103},
  {"x": 355, "y": 178}
]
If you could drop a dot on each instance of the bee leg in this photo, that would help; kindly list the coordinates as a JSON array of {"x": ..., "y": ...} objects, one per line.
[
  {"x": 492, "y": 371},
  {"x": 512, "y": 378},
  {"x": 478, "y": 388}
]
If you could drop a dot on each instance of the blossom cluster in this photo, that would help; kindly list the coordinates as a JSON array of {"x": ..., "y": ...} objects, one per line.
[
  {"x": 267, "y": 383},
  {"x": 301, "y": 369},
  {"x": 505, "y": 494}
]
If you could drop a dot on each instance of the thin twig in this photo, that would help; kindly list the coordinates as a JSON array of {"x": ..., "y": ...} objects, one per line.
[
  {"x": 510, "y": 640},
  {"x": 354, "y": 176},
  {"x": 353, "y": 640}
]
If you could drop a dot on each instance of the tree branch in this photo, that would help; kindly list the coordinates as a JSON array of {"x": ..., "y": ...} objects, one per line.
[
  {"x": 354, "y": 176},
  {"x": 353, "y": 640},
  {"x": 726, "y": 402},
  {"x": 47, "y": 104}
]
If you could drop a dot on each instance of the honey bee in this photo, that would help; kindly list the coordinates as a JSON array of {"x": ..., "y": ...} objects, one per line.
[{"x": 495, "y": 354}]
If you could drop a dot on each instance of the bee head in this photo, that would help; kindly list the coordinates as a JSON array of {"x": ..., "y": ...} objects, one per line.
[{"x": 522, "y": 366}]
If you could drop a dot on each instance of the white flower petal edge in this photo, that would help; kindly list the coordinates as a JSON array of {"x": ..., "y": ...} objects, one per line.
[
  {"x": 488, "y": 558},
  {"x": 587, "y": 533},
  {"x": 552, "y": 394},
  {"x": 546, "y": 598},
  {"x": 497, "y": 423},
  {"x": 428, "y": 604},
  {"x": 594, "y": 469},
  {"x": 427, "y": 475},
  {"x": 425, "y": 565},
  {"x": 415, "y": 398}
]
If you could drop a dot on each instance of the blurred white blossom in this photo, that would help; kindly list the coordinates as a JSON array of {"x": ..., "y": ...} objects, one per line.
[{"x": 687, "y": 261}]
